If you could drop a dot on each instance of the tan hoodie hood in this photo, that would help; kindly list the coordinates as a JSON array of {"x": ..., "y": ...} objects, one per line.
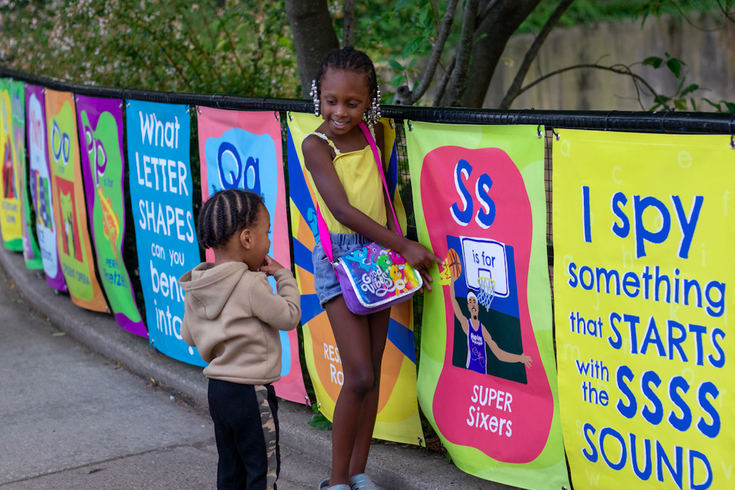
[{"x": 209, "y": 287}]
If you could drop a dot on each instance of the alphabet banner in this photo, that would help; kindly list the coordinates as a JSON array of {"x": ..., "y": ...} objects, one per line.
[
  {"x": 398, "y": 417},
  {"x": 487, "y": 379},
  {"x": 243, "y": 150},
  {"x": 103, "y": 166},
  {"x": 643, "y": 233},
  {"x": 161, "y": 194},
  {"x": 31, "y": 253},
  {"x": 40, "y": 184},
  {"x": 11, "y": 224},
  {"x": 74, "y": 245}
]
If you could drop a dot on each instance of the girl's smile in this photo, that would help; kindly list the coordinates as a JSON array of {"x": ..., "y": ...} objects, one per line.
[{"x": 345, "y": 96}]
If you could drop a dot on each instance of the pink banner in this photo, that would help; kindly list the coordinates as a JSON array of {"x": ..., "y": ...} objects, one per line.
[{"x": 243, "y": 150}]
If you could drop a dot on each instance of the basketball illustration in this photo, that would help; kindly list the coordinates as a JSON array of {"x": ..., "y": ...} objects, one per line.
[{"x": 453, "y": 262}]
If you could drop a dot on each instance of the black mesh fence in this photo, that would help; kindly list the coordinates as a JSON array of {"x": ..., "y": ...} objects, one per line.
[{"x": 651, "y": 122}]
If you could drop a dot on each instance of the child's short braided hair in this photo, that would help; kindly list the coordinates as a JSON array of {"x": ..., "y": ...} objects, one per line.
[
  {"x": 348, "y": 59},
  {"x": 226, "y": 213}
]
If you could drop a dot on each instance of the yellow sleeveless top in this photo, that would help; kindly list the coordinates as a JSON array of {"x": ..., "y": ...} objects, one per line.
[{"x": 362, "y": 183}]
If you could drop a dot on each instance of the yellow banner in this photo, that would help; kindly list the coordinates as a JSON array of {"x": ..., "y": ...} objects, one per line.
[
  {"x": 398, "y": 416},
  {"x": 643, "y": 234}
]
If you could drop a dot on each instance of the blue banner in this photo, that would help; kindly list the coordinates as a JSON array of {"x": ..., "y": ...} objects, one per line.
[{"x": 161, "y": 189}]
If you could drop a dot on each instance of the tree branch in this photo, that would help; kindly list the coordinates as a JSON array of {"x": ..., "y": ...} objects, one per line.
[
  {"x": 410, "y": 97},
  {"x": 726, "y": 10},
  {"x": 441, "y": 90},
  {"x": 348, "y": 38},
  {"x": 532, "y": 52},
  {"x": 435, "y": 9},
  {"x": 619, "y": 69},
  {"x": 445, "y": 81},
  {"x": 464, "y": 52}
]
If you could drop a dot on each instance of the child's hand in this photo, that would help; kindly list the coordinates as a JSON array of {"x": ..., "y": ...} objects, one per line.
[
  {"x": 420, "y": 259},
  {"x": 269, "y": 266}
]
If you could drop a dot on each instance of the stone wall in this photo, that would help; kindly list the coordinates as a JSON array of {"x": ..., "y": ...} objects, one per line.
[{"x": 707, "y": 49}]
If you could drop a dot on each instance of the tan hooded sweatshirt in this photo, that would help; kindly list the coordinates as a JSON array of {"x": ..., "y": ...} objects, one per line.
[{"x": 232, "y": 317}]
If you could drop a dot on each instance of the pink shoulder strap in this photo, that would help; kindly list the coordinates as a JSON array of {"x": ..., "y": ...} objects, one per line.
[{"x": 322, "y": 225}]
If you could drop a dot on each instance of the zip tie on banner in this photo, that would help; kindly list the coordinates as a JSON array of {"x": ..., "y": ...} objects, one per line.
[
  {"x": 290, "y": 116},
  {"x": 390, "y": 122},
  {"x": 538, "y": 131},
  {"x": 410, "y": 126},
  {"x": 607, "y": 117},
  {"x": 556, "y": 135},
  {"x": 275, "y": 113},
  {"x": 732, "y": 141}
]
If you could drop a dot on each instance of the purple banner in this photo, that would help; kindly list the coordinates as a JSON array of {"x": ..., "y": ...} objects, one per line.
[
  {"x": 41, "y": 186},
  {"x": 103, "y": 167}
]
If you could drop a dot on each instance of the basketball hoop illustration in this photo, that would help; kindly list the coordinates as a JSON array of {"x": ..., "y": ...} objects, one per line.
[{"x": 487, "y": 291}]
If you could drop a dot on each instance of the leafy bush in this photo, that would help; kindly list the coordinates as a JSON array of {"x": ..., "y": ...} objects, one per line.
[{"x": 240, "y": 48}]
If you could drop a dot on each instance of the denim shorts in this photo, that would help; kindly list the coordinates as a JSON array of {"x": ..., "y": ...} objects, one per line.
[{"x": 326, "y": 283}]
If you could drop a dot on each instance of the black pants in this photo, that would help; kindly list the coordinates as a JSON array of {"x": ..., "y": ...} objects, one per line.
[{"x": 246, "y": 430}]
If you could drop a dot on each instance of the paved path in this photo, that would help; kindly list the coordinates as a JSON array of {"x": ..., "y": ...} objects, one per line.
[{"x": 73, "y": 419}]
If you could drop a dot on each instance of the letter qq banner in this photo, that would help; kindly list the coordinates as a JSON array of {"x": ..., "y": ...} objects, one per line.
[
  {"x": 487, "y": 376},
  {"x": 103, "y": 166},
  {"x": 161, "y": 195},
  {"x": 40, "y": 185},
  {"x": 398, "y": 416},
  {"x": 10, "y": 208},
  {"x": 74, "y": 245},
  {"x": 644, "y": 226},
  {"x": 243, "y": 150}
]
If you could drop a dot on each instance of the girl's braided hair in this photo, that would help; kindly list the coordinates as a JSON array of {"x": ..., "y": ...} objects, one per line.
[
  {"x": 226, "y": 213},
  {"x": 348, "y": 59}
]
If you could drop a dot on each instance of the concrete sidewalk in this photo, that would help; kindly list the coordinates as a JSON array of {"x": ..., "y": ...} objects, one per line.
[{"x": 392, "y": 466}]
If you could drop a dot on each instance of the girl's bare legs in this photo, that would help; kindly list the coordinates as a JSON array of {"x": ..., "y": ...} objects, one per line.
[{"x": 361, "y": 341}]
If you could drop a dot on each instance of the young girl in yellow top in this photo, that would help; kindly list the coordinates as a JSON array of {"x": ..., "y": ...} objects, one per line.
[{"x": 354, "y": 206}]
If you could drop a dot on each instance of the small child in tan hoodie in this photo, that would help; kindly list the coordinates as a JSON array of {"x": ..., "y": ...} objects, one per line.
[{"x": 233, "y": 318}]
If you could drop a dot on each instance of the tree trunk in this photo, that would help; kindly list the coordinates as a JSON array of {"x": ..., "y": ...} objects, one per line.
[
  {"x": 499, "y": 26},
  {"x": 313, "y": 36},
  {"x": 348, "y": 39}
]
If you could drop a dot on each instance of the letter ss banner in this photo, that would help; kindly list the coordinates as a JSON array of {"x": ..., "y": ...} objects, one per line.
[
  {"x": 644, "y": 227},
  {"x": 487, "y": 376},
  {"x": 161, "y": 189}
]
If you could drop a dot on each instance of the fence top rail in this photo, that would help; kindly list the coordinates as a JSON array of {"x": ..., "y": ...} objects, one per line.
[{"x": 649, "y": 122}]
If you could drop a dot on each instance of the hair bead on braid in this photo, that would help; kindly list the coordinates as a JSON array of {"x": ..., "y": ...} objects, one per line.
[
  {"x": 226, "y": 213},
  {"x": 349, "y": 59}
]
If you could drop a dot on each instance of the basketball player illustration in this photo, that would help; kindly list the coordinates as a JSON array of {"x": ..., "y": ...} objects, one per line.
[{"x": 477, "y": 334}]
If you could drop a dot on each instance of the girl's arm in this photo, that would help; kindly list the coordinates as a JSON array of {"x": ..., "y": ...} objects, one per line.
[{"x": 318, "y": 160}]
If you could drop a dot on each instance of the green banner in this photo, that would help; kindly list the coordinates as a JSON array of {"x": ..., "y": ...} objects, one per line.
[{"x": 487, "y": 376}]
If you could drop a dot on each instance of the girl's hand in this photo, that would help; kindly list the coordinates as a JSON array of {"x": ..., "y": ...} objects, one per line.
[
  {"x": 269, "y": 266},
  {"x": 420, "y": 259}
]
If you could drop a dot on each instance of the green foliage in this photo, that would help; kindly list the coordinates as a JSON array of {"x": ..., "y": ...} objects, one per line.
[
  {"x": 396, "y": 34},
  {"x": 319, "y": 421},
  {"x": 241, "y": 48},
  {"x": 678, "y": 100}
]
